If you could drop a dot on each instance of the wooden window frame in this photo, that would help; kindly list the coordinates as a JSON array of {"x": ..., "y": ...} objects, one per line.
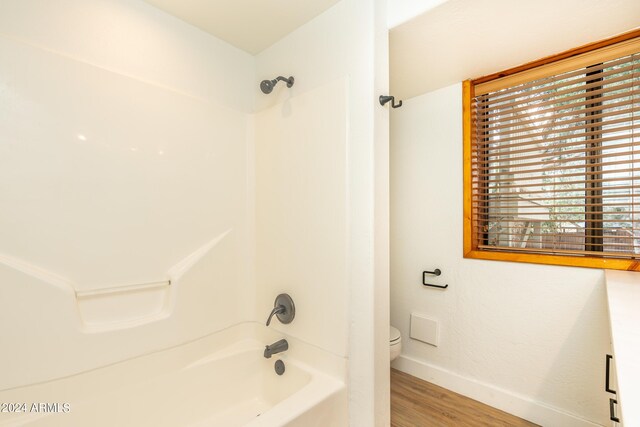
[{"x": 470, "y": 249}]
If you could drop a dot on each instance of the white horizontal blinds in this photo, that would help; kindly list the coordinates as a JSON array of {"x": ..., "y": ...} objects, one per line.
[{"x": 556, "y": 161}]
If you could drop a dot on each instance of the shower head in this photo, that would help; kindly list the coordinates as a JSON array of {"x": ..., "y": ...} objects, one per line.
[{"x": 266, "y": 86}]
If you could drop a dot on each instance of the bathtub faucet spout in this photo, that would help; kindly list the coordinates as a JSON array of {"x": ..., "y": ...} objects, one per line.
[{"x": 275, "y": 348}]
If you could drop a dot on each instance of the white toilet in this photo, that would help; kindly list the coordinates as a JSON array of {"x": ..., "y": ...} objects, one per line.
[{"x": 395, "y": 342}]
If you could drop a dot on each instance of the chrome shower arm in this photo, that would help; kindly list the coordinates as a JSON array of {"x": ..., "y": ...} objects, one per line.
[{"x": 289, "y": 80}]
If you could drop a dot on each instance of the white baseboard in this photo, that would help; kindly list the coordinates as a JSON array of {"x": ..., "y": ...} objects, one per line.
[{"x": 518, "y": 405}]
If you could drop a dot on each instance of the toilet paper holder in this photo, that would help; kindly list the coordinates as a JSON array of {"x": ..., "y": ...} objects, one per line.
[{"x": 435, "y": 272}]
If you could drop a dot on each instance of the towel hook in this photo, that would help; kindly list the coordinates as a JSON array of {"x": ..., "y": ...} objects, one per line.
[{"x": 386, "y": 98}]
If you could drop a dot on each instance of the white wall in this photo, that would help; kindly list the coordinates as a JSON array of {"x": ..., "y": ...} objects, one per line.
[
  {"x": 525, "y": 338},
  {"x": 123, "y": 151},
  {"x": 340, "y": 63}
]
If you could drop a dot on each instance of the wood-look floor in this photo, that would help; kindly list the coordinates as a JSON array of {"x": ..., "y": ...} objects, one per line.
[{"x": 417, "y": 403}]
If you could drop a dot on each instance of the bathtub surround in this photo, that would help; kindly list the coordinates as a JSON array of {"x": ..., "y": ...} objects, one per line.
[
  {"x": 339, "y": 139},
  {"x": 301, "y": 213},
  {"x": 121, "y": 167},
  {"x": 527, "y": 339},
  {"x": 218, "y": 380},
  {"x": 146, "y": 45},
  {"x": 156, "y": 177}
]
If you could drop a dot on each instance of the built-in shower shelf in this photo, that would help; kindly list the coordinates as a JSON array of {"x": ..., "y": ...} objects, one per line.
[
  {"x": 119, "y": 289},
  {"x": 122, "y": 307}
]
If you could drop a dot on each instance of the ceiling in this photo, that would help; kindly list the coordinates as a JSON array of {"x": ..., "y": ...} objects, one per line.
[
  {"x": 251, "y": 25},
  {"x": 401, "y": 11},
  {"x": 462, "y": 39}
]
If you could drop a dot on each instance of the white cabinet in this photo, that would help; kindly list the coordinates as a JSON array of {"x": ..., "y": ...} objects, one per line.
[
  {"x": 611, "y": 386},
  {"x": 623, "y": 297}
]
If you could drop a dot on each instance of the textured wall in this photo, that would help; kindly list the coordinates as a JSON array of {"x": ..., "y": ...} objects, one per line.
[{"x": 535, "y": 336}]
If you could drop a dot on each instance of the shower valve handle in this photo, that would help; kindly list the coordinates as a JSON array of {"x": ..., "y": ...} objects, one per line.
[
  {"x": 276, "y": 310},
  {"x": 283, "y": 309}
]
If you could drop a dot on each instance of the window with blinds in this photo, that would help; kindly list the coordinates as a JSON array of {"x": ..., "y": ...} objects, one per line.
[{"x": 553, "y": 160}]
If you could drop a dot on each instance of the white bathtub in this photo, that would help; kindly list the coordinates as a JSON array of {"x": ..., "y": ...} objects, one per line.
[{"x": 220, "y": 380}]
